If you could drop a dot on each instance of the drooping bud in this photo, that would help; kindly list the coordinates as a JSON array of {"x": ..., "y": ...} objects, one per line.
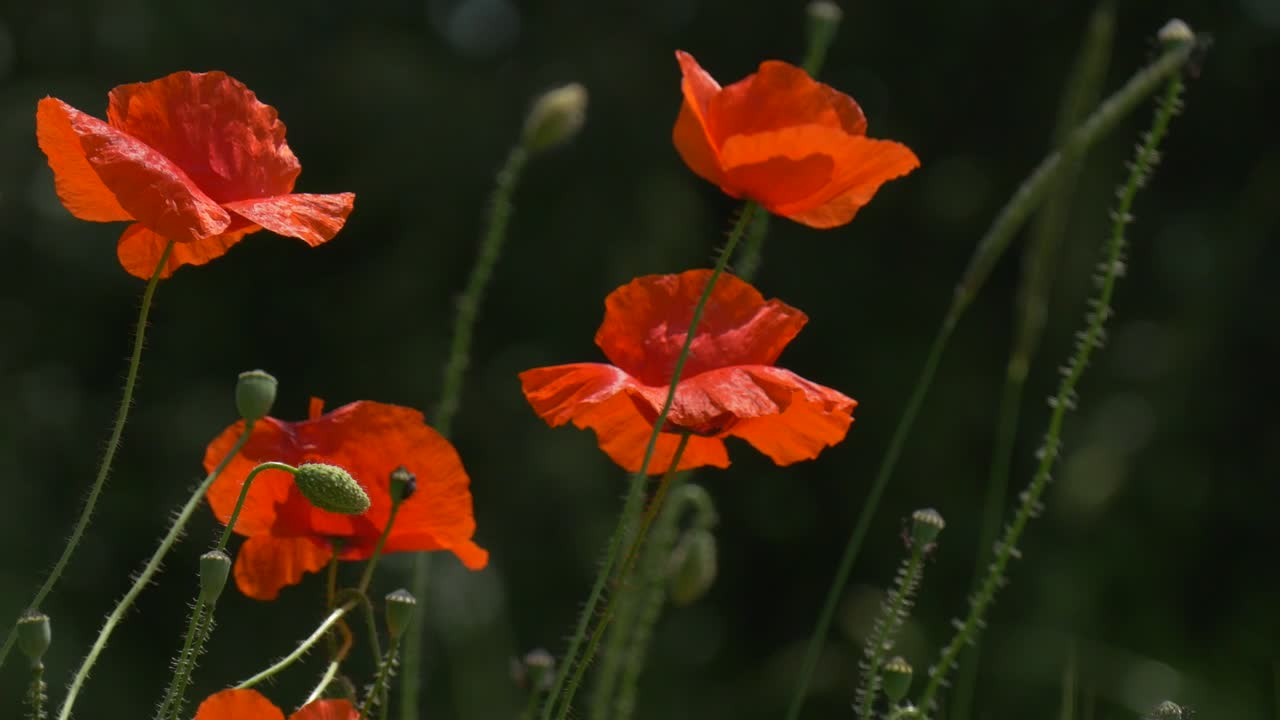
[
  {"x": 692, "y": 567},
  {"x": 34, "y": 635},
  {"x": 255, "y": 394},
  {"x": 331, "y": 488},
  {"x": 556, "y": 116},
  {"x": 401, "y": 605},
  {"x": 1175, "y": 32},
  {"x": 214, "y": 566},
  {"x": 896, "y": 679},
  {"x": 925, "y": 526},
  {"x": 403, "y": 484}
]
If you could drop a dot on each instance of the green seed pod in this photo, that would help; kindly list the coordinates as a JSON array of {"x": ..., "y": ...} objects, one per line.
[
  {"x": 692, "y": 567},
  {"x": 214, "y": 566},
  {"x": 255, "y": 394},
  {"x": 401, "y": 605},
  {"x": 331, "y": 488},
  {"x": 925, "y": 526},
  {"x": 556, "y": 116},
  {"x": 896, "y": 679},
  {"x": 34, "y": 635}
]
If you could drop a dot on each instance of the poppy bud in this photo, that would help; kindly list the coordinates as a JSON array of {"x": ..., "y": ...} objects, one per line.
[
  {"x": 255, "y": 393},
  {"x": 556, "y": 116},
  {"x": 896, "y": 679},
  {"x": 824, "y": 17},
  {"x": 34, "y": 635},
  {"x": 331, "y": 488},
  {"x": 1175, "y": 32},
  {"x": 403, "y": 484},
  {"x": 925, "y": 526},
  {"x": 1167, "y": 710},
  {"x": 692, "y": 567},
  {"x": 214, "y": 566},
  {"x": 536, "y": 671},
  {"x": 401, "y": 605}
]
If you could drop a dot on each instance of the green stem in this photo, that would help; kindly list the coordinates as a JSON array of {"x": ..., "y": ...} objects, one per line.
[
  {"x": 890, "y": 622},
  {"x": 104, "y": 468},
  {"x": 330, "y": 673},
  {"x": 36, "y": 692},
  {"x": 244, "y": 493},
  {"x": 381, "y": 682},
  {"x": 143, "y": 578},
  {"x": 990, "y": 248},
  {"x": 635, "y": 493},
  {"x": 182, "y": 669},
  {"x": 367, "y": 577},
  {"x": 1065, "y": 399},
  {"x": 302, "y": 648}
]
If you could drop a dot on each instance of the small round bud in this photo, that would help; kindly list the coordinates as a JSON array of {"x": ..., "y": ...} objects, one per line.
[
  {"x": 255, "y": 393},
  {"x": 401, "y": 605},
  {"x": 692, "y": 567},
  {"x": 824, "y": 11},
  {"x": 925, "y": 526},
  {"x": 556, "y": 116},
  {"x": 1175, "y": 32},
  {"x": 896, "y": 679},
  {"x": 331, "y": 488},
  {"x": 1167, "y": 710},
  {"x": 535, "y": 672},
  {"x": 403, "y": 484},
  {"x": 34, "y": 635},
  {"x": 214, "y": 566}
]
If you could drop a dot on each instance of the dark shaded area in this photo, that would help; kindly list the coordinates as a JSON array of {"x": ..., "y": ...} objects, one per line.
[{"x": 1153, "y": 564}]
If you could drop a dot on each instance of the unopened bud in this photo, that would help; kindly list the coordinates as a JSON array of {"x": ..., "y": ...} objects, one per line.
[
  {"x": 556, "y": 116},
  {"x": 1175, "y": 32},
  {"x": 34, "y": 635},
  {"x": 925, "y": 526},
  {"x": 692, "y": 567},
  {"x": 535, "y": 672},
  {"x": 403, "y": 484},
  {"x": 401, "y": 605},
  {"x": 896, "y": 679},
  {"x": 824, "y": 19},
  {"x": 1167, "y": 710},
  {"x": 824, "y": 11},
  {"x": 214, "y": 566},
  {"x": 331, "y": 488},
  {"x": 255, "y": 394}
]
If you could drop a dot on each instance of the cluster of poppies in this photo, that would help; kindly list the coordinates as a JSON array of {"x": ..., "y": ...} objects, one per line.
[{"x": 195, "y": 162}]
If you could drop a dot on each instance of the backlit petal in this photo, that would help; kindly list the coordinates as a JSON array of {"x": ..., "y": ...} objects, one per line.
[
  {"x": 810, "y": 418},
  {"x": 647, "y": 320},
  {"x": 314, "y": 219},
  {"x": 327, "y": 710},
  {"x": 853, "y": 185},
  {"x": 78, "y": 186},
  {"x": 139, "y": 250},
  {"x": 271, "y": 440},
  {"x": 214, "y": 128},
  {"x": 238, "y": 705},
  {"x": 780, "y": 95},
  {"x": 265, "y": 564},
  {"x": 691, "y": 135}
]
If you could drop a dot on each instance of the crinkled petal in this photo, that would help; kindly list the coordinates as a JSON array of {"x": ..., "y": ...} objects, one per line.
[
  {"x": 647, "y": 320},
  {"x": 810, "y": 417},
  {"x": 78, "y": 186},
  {"x": 597, "y": 396},
  {"x": 326, "y": 710},
  {"x": 314, "y": 219},
  {"x": 272, "y": 440},
  {"x": 238, "y": 705},
  {"x": 139, "y": 250},
  {"x": 214, "y": 128},
  {"x": 780, "y": 95},
  {"x": 265, "y": 563}
]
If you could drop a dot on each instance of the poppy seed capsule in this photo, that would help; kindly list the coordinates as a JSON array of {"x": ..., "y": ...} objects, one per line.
[
  {"x": 896, "y": 679},
  {"x": 925, "y": 526},
  {"x": 331, "y": 488},
  {"x": 403, "y": 484},
  {"x": 692, "y": 567},
  {"x": 214, "y": 566},
  {"x": 255, "y": 394},
  {"x": 556, "y": 116},
  {"x": 34, "y": 635},
  {"x": 401, "y": 605}
]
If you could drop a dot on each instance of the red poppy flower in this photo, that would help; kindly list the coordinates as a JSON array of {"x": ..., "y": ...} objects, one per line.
[
  {"x": 729, "y": 385},
  {"x": 251, "y": 705},
  {"x": 779, "y": 137},
  {"x": 194, "y": 158},
  {"x": 288, "y": 536}
]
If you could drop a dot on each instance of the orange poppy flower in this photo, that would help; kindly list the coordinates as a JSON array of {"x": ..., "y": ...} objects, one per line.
[
  {"x": 251, "y": 705},
  {"x": 729, "y": 386},
  {"x": 288, "y": 536},
  {"x": 194, "y": 158},
  {"x": 779, "y": 137}
]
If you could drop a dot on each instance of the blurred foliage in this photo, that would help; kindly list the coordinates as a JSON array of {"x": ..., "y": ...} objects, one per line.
[{"x": 1154, "y": 563}]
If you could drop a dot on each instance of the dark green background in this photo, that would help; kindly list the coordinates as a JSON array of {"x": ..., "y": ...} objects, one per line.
[{"x": 1155, "y": 559}]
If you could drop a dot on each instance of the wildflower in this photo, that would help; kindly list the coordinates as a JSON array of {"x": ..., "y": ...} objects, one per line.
[
  {"x": 251, "y": 705},
  {"x": 779, "y": 137},
  {"x": 288, "y": 536},
  {"x": 729, "y": 385},
  {"x": 192, "y": 158}
]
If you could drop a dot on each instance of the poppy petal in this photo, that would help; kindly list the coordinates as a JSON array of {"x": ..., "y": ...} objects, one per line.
[
  {"x": 139, "y": 250},
  {"x": 327, "y": 710},
  {"x": 598, "y": 396},
  {"x": 781, "y": 95},
  {"x": 646, "y": 322},
  {"x": 79, "y": 188},
  {"x": 695, "y": 149},
  {"x": 149, "y": 186},
  {"x": 265, "y": 564},
  {"x": 810, "y": 417},
  {"x": 214, "y": 128},
  {"x": 315, "y": 219},
  {"x": 271, "y": 440},
  {"x": 238, "y": 705},
  {"x": 881, "y": 161}
]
